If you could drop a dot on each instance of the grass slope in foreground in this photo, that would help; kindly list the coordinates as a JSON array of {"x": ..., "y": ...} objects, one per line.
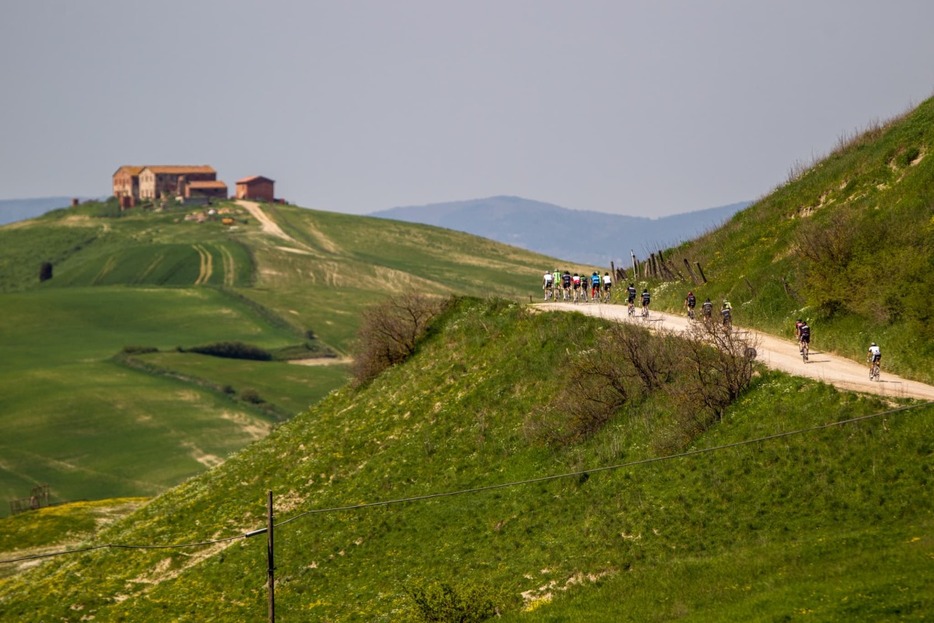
[{"x": 833, "y": 524}]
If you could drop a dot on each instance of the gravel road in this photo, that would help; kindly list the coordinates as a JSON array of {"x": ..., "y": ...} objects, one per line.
[{"x": 774, "y": 352}]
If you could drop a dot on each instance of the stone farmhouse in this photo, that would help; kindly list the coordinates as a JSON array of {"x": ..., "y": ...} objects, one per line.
[{"x": 132, "y": 183}]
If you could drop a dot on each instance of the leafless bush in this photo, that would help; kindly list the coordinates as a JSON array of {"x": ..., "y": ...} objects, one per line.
[
  {"x": 599, "y": 385},
  {"x": 722, "y": 362},
  {"x": 390, "y": 331},
  {"x": 627, "y": 364},
  {"x": 652, "y": 359}
]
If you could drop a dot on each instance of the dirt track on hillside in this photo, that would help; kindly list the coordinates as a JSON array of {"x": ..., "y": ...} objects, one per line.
[
  {"x": 267, "y": 224},
  {"x": 775, "y": 353}
]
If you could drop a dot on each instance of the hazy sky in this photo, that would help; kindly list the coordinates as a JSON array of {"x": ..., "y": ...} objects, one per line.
[{"x": 646, "y": 107}]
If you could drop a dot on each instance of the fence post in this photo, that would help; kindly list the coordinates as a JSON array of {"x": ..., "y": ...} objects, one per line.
[{"x": 687, "y": 265}]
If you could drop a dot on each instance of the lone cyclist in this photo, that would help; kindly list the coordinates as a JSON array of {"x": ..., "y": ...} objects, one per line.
[
  {"x": 874, "y": 356},
  {"x": 798, "y": 324},
  {"x": 804, "y": 337}
]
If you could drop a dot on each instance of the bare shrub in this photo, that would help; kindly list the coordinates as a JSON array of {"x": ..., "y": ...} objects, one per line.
[
  {"x": 652, "y": 359},
  {"x": 390, "y": 331},
  {"x": 721, "y": 363},
  {"x": 627, "y": 365},
  {"x": 599, "y": 384}
]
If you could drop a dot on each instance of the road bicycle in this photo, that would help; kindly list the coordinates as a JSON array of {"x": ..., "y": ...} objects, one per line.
[
  {"x": 804, "y": 348},
  {"x": 874, "y": 371},
  {"x": 645, "y": 310},
  {"x": 691, "y": 313},
  {"x": 632, "y": 309}
]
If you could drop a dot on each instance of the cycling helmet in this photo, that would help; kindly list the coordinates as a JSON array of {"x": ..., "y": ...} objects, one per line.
[{"x": 873, "y": 344}]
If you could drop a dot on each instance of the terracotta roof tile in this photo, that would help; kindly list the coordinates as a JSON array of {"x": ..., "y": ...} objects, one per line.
[
  {"x": 207, "y": 184},
  {"x": 254, "y": 178},
  {"x": 180, "y": 169},
  {"x": 130, "y": 169}
]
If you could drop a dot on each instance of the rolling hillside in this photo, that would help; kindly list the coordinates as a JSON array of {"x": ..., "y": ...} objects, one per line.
[
  {"x": 847, "y": 244},
  {"x": 103, "y": 395},
  {"x": 557, "y": 467},
  {"x": 773, "y": 512}
]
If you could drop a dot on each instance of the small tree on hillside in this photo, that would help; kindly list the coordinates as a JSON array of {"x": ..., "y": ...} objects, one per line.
[{"x": 45, "y": 271}]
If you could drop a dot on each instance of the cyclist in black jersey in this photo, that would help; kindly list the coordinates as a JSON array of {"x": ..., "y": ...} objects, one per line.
[{"x": 690, "y": 302}]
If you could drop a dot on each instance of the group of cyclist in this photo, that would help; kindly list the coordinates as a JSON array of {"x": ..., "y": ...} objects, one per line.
[
  {"x": 575, "y": 287},
  {"x": 726, "y": 310},
  {"x": 803, "y": 335},
  {"x": 578, "y": 287},
  {"x": 631, "y": 300},
  {"x": 802, "y": 331}
]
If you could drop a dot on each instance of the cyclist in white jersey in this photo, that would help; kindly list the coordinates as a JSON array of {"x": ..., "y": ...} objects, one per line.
[
  {"x": 874, "y": 356},
  {"x": 548, "y": 285}
]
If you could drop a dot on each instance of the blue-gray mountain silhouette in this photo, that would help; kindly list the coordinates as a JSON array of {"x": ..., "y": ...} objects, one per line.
[{"x": 580, "y": 236}]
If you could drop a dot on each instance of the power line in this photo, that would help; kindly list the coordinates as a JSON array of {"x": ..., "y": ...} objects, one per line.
[
  {"x": 482, "y": 489},
  {"x": 578, "y": 474},
  {"x": 92, "y": 548}
]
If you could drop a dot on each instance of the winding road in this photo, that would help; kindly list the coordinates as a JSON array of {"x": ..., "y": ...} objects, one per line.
[{"x": 774, "y": 352}]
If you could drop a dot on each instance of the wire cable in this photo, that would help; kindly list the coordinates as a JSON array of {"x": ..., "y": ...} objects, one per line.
[
  {"x": 92, "y": 548},
  {"x": 578, "y": 474}
]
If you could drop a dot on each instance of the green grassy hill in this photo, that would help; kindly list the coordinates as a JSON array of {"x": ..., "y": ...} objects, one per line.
[
  {"x": 102, "y": 394},
  {"x": 847, "y": 244},
  {"x": 514, "y": 464},
  {"x": 829, "y": 524}
]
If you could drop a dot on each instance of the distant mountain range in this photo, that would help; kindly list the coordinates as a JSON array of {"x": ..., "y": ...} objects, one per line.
[{"x": 583, "y": 237}]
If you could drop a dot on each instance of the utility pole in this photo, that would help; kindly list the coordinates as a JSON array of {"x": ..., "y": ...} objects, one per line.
[{"x": 270, "y": 561}]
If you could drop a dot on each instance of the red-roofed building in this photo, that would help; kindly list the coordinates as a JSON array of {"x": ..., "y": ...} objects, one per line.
[
  {"x": 214, "y": 189},
  {"x": 257, "y": 187},
  {"x": 170, "y": 180},
  {"x": 126, "y": 185}
]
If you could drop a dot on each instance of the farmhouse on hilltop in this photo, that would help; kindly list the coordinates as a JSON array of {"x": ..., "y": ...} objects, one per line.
[
  {"x": 132, "y": 183},
  {"x": 256, "y": 187},
  {"x": 126, "y": 185}
]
